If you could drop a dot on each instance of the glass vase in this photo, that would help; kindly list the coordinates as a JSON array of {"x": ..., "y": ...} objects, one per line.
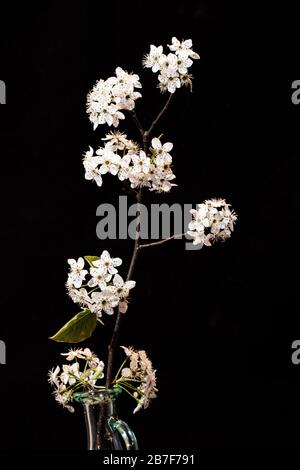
[{"x": 105, "y": 431}]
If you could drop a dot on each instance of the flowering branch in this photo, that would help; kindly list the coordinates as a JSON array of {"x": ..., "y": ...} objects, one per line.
[
  {"x": 160, "y": 242},
  {"x": 99, "y": 289},
  {"x": 115, "y": 334}
]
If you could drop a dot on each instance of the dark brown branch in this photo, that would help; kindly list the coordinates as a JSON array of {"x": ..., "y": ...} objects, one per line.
[
  {"x": 160, "y": 242},
  {"x": 148, "y": 132},
  {"x": 115, "y": 334},
  {"x": 113, "y": 342},
  {"x": 137, "y": 123}
]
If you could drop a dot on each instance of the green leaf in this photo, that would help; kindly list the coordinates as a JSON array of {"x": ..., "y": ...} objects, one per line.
[
  {"x": 78, "y": 328},
  {"x": 91, "y": 259}
]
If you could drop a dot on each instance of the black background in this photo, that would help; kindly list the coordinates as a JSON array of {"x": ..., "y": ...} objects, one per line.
[{"x": 218, "y": 323}]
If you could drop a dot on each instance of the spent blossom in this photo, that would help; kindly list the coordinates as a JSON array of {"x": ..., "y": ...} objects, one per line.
[{"x": 139, "y": 370}]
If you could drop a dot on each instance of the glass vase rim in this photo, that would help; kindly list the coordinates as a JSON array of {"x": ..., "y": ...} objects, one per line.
[{"x": 99, "y": 395}]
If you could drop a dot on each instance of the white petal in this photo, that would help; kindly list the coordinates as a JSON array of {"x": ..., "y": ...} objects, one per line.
[
  {"x": 105, "y": 256},
  {"x": 108, "y": 310},
  {"x": 168, "y": 146},
  {"x": 130, "y": 284},
  {"x": 118, "y": 281},
  {"x": 117, "y": 261},
  {"x": 156, "y": 143}
]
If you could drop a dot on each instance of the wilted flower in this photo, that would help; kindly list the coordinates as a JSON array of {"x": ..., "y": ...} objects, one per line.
[{"x": 139, "y": 376}]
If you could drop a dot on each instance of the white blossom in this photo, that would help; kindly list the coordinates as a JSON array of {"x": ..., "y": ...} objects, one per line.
[
  {"x": 121, "y": 289},
  {"x": 108, "y": 97},
  {"x": 107, "y": 263},
  {"x": 183, "y": 47},
  {"x": 141, "y": 163},
  {"x": 161, "y": 152},
  {"x": 172, "y": 68},
  {"x": 69, "y": 374},
  {"x": 80, "y": 374},
  {"x": 134, "y": 165},
  {"x": 104, "y": 301},
  {"x": 99, "y": 277},
  {"x": 152, "y": 60},
  {"x": 212, "y": 221},
  {"x": 77, "y": 273},
  {"x": 109, "y": 161}
]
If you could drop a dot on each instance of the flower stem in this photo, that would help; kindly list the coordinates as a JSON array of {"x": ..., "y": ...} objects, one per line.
[
  {"x": 148, "y": 132},
  {"x": 160, "y": 242}
]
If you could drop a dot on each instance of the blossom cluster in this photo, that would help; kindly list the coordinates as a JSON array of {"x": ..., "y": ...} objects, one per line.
[
  {"x": 109, "y": 97},
  {"x": 81, "y": 373},
  {"x": 84, "y": 369},
  {"x": 107, "y": 288},
  {"x": 212, "y": 221},
  {"x": 140, "y": 371},
  {"x": 173, "y": 68},
  {"x": 153, "y": 172}
]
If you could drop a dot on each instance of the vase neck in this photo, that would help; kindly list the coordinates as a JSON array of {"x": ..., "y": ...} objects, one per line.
[{"x": 99, "y": 411}]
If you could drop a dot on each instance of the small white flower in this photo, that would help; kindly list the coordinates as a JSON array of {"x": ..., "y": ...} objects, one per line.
[
  {"x": 121, "y": 288},
  {"x": 184, "y": 46},
  {"x": 104, "y": 301},
  {"x": 99, "y": 278},
  {"x": 152, "y": 60},
  {"x": 124, "y": 168},
  {"x": 183, "y": 62},
  {"x": 161, "y": 180},
  {"x": 110, "y": 161},
  {"x": 162, "y": 152},
  {"x": 141, "y": 163},
  {"x": 77, "y": 273},
  {"x": 169, "y": 81},
  {"x": 109, "y": 264},
  {"x": 91, "y": 164},
  {"x": 69, "y": 374}
]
